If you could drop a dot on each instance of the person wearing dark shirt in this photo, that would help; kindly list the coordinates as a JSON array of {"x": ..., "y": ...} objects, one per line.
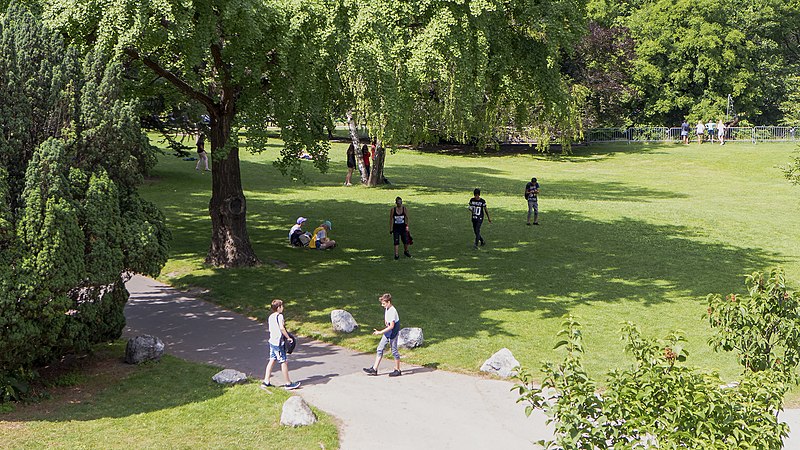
[
  {"x": 351, "y": 164},
  {"x": 398, "y": 226},
  {"x": 532, "y": 195},
  {"x": 477, "y": 206}
]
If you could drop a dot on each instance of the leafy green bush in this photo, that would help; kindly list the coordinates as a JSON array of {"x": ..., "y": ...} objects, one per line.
[
  {"x": 71, "y": 220},
  {"x": 660, "y": 402}
]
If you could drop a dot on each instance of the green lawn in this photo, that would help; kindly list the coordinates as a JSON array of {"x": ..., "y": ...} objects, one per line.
[
  {"x": 170, "y": 404},
  {"x": 629, "y": 232}
]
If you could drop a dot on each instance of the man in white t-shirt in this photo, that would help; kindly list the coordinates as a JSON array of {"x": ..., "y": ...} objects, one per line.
[
  {"x": 390, "y": 333},
  {"x": 277, "y": 352}
]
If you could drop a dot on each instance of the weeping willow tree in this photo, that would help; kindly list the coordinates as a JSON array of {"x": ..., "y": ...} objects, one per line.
[
  {"x": 419, "y": 71},
  {"x": 246, "y": 63}
]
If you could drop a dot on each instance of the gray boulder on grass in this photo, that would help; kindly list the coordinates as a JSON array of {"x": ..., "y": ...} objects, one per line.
[
  {"x": 296, "y": 413},
  {"x": 343, "y": 321},
  {"x": 410, "y": 337},
  {"x": 501, "y": 363},
  {"x": 143, "y": 348},
  {"x": 229, "y": 376}
]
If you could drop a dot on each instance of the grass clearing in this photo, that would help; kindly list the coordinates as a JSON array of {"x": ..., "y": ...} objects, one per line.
[
  {"x": 636, "y": 233},
  {"x": 172, "y": 403}
]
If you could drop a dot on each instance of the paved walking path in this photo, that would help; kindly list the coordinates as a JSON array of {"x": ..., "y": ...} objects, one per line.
[{"x": 424, "y": 408}]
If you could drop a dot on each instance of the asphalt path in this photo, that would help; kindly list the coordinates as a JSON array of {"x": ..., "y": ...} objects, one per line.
[{"x": 423, "y": 408}]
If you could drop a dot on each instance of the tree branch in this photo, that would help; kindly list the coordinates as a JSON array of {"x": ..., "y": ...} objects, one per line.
[{"x": 175, "y": 80}]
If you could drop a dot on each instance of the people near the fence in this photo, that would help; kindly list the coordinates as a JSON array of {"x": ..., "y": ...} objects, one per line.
[
  {"x": 685, "y": 132},
  {"x": 700, "y": 129},
  {"x": 398, "y": 227},
  {"x": 721, "y": 132},
  {"x": 320, "y": 239},
  {"x": 365, "y": 158},
  {"x": 202, "y": 157},
  {"x": 297, "y": 236},
  {"x": 351, "y": 164},
  {"x": 710, "y": 126}
]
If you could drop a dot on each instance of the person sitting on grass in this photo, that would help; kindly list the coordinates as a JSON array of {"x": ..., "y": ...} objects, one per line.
[
  {"x": 298, "y": 237},
  {"x": 320, "y": 239}
]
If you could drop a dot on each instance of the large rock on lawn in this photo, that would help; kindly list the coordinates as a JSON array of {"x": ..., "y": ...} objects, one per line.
[
  {"x": 343, "y": 321},
  {"x": 501, "y": 363},
  {"x": 410, "y": 337},
  {"x": 229, "y": 376},
  {"x": 296, "y": 413},
  {"x": 143, "y": 348}
]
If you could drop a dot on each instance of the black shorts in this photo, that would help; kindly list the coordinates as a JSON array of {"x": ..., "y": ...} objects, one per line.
[
  {"x": 400, "y": 235},
  {"x": 351, "y": 163}
]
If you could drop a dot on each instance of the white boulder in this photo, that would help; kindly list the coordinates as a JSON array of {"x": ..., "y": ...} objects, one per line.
[
  {"x": 229, "y": 376},
  {"x": 410, "y": 337},
  {"x": 296, "y": 413},
  {"x": 343, "y": 321},
  {"x": 501, "y": 363}
]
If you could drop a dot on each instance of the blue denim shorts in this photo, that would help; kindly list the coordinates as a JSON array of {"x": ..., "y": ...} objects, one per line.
[{"x": 277, "y": 352}]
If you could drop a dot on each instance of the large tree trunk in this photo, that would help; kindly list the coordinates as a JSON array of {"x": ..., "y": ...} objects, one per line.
[
  {"x": 376, "y": 175},
  {"x": 351, "y": 125},
  {"x": 230, "y": 243}
]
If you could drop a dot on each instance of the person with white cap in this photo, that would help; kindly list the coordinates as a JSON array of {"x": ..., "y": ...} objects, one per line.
[
  {"x": 296, "y": 233},
  {"x": 320, "y": 239}
]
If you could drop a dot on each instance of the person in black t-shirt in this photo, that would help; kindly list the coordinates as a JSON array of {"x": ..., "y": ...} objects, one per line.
[
  {"x": 532, "y": 195},
  {"x": 478, "y": 207},
  {"x": 398, "y": 226}
]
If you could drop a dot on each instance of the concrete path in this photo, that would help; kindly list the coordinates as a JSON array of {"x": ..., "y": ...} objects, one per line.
[{"x": 424, "y": 408}]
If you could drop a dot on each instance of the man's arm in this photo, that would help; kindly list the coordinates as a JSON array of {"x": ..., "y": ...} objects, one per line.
[
  {"x": 283, "y": 330},
  {"x": 388, "y": 327}
]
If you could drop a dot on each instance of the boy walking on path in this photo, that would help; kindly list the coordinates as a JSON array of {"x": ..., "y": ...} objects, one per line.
[
  {"x": 390, "y": 333},
  {"x": 478, "y": 207},
  {"x": 277, "y": 352},
  {"x": 532, "y": 194}
]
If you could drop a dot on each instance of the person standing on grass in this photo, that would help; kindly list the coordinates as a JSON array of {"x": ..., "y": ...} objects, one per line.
[
  {"x": 721, "y": 132},
  {"x": 532, "y": 195},
  {"x": 390, "y": 332},
  {"x": 701, "y": 131},
  {"x": 202, "y": 157},
  {"x": 710, "y": 130},
  {"x": 685, "y": 132},
  {"x": 365, "y": 158},
  {"x": 398, "y": 226},
  {"x": 478, "y": 207},
  {"x": 351, "y": 164},
  {"x": 277, "y": 352}
]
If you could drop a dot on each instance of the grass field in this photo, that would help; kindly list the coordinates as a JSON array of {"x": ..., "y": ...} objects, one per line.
[
  {"x": 103, "y": 403},
  {"x": 636, "y": 233}
]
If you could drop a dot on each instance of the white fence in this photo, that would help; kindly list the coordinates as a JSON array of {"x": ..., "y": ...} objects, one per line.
[{"x": 664, "y": 134}]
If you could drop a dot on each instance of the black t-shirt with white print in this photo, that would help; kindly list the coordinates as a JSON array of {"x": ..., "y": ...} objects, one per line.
[{"x": 477, "y": 207}]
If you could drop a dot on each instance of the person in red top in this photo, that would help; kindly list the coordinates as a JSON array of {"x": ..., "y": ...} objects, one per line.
[{"x": 365, "y": 155}]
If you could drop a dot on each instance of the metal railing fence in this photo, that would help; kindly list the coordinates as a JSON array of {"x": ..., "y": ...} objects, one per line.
[{"x": 664, "y": 134}]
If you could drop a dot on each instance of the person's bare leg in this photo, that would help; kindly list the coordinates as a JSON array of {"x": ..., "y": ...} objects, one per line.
[
  {"x": 268, "y": 372},
  {"x": 377, "y": 362},
  {"x": 285, "y": 370}
]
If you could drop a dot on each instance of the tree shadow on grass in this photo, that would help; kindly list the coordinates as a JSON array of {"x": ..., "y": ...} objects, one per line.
[{"x": 447, "y": 287}]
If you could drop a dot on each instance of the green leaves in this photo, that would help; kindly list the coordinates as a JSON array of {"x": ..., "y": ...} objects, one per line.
[
  {"x": 71, "y": 222},
  {"x": 659, "y": 402}
]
